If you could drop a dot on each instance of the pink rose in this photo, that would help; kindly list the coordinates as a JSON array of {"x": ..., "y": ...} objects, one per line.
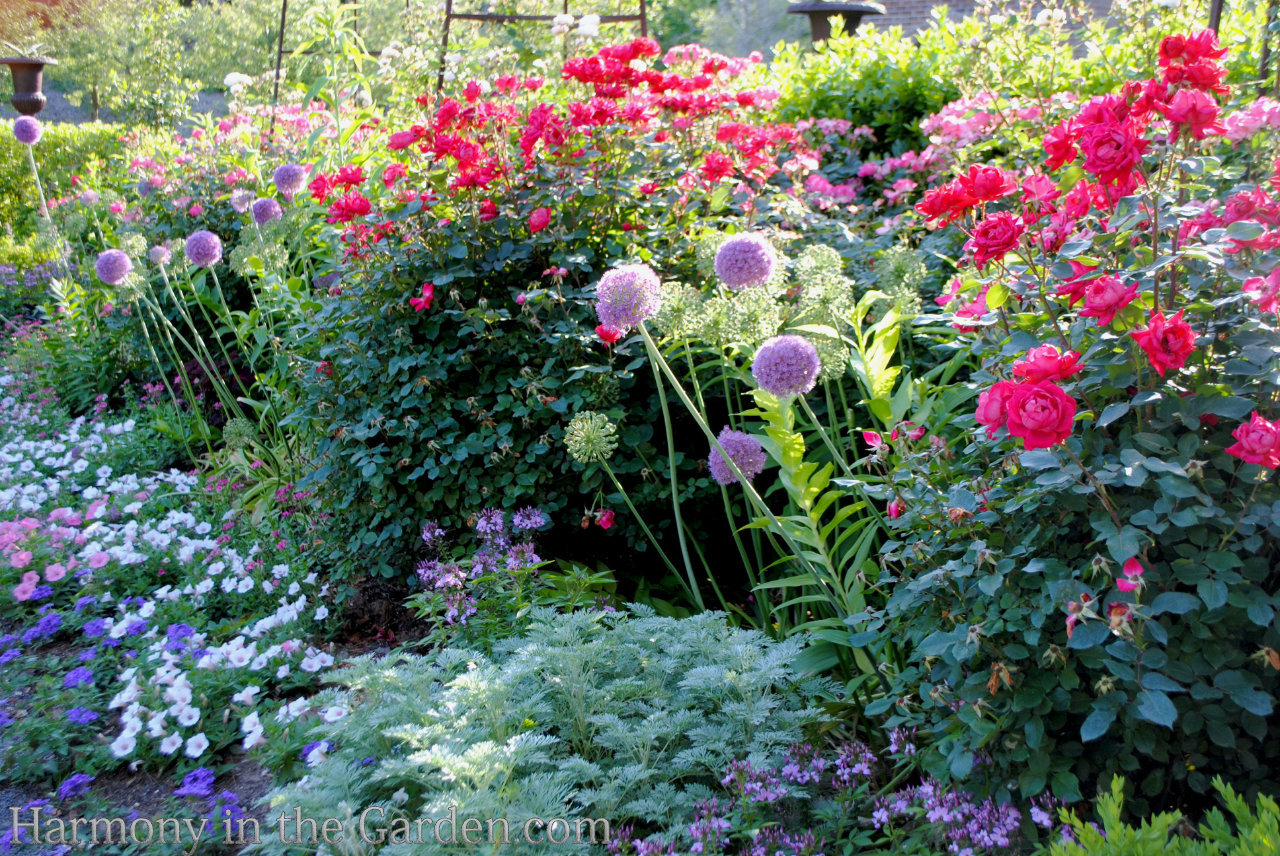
[
  {"x": 539, "y": 220},
  {"x": 1047, "y": 363},
  {"x": 1257, "y": 442},
  {"x": 1104, "y": 297},
  {"x": 1168, "y": 343},
  {"x": 994, "y": 236},
  {"x": 895, "y": 508},
  {"x": 1111, "y": 151},
  {"x": 1040, "y": 413},
  {"x": 993, "y": 406}
]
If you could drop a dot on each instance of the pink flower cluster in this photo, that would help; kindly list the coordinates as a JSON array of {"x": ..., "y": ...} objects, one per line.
[{"x": 1034, "y": 408}]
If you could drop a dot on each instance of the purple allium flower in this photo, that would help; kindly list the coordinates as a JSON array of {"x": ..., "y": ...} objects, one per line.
[
  {"x": 89, "y": 197},
  {"x": 80, "y": 676},
  {"x": 529, "y": 518},
  {"x": 745, "y": 261},
  {"x": 75, "y": 785},
  {"x": 241, "y": 199},
  {"x": 266, "y": 210},
  {"x": 160, "y": 255},
  {"x": 113, "y": 266},
  {"x": 744, "y": 450},
  {"x": 786, "y": 365},
  {"x": 27, "y": 129},
  {"x": 627, "y": 296},
  {"x": 81, "y": 715},
  {"x": 289, "y": 179},
  {"x": 204, "y": 249},
  {"x": 197, "y": 783}
]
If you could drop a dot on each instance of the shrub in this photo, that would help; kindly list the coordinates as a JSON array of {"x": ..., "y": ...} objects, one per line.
[
  {"x": 1089, "y": 580},
  {"x": 628, "y": 717}
]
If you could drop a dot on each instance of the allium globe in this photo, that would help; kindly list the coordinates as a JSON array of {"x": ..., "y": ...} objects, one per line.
[
  {"x": 159, "y": 255},
  {"x": 27, "y": 129},
  {"x": 113, "y": 266},
  {"x": 628, "y": 295},
  {"x": 289, "y": 179},
  {"x": 786, "y": 365},
  {"x": 266, "y": 210},
  {"x": 743, "y": 450},
  {"x": 89, "y": 197},
  {"x": 745, "y": 261},
  {"x": 241, "y": 199},
  {"x": 204, "y": 249}
]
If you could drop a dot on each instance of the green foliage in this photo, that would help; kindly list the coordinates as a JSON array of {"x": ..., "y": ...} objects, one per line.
[
  {"x": 1256, "y": 833},
  {"x": 628, "y": 717},
  {"x": 63, "y": 151}
]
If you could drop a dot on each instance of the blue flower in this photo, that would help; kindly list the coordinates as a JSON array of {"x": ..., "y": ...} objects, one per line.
[
  {"x": 78, "y": 677},
  {"x": 197, "y": 783}
]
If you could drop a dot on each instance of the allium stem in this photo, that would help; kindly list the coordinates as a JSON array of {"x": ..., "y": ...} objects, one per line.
[
  {"x": 644, "y": 526},
  {"x": 675, "y": 491},
  {"x": 836, "y": 455}
]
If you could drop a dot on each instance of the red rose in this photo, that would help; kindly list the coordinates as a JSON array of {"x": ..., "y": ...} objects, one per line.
[
  {"x": 946, "y": 203},
  {"x": 604, "y": 519},
  {"x": 1196, "y": 111},
  {"x": 1104, "y": 297},
  {"x": 994, "y": 236},
  {"x": 988, "y": 183},
  {"x": 607, "y": 334},
  {"x": 1060, "y": 145},
  {"x": 1047, "y": 363},
  {"x": 1168, "y": 343},
  {"x": 423, "y": 302},
  {"x": 539, "y": 220},
  {"x": 1258, "y": 442},
  {"x": 1268, "y": 290},
  {"x": 1111, "y": 151},
  {"x": 993, "y": 406},
  {"x": 1040, "y": 413}
]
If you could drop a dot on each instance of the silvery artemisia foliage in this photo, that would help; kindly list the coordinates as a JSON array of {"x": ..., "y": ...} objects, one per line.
[{"x": 629, "y": 717}]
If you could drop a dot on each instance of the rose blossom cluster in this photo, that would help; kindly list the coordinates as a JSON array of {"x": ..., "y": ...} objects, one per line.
[{"x": 1033, "y": 407}]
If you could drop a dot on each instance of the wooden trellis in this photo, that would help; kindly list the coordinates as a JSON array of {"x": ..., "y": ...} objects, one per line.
[{"x": 640, "y": 17}]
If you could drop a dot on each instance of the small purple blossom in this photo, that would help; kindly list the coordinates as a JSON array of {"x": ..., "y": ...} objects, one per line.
[
  {"x": 225, "y": 806},
  {"x": 81, "y": 715},
  {"x": 529, "y": 518},
  {"x": 9, "y": 656},
  {"x": 197, "y": 783},
  {"x": 74, "y": 785},
  {"x": 745, "y": 261},
  {"x": 204, "y": 249},
  {"x": 266, "y": 210},
  {"x": 431, "y": 532},
  {"x": 80, "y": 676},
  {"x": 136, "y": 627},
  {"x": 743, "y": 450},
  {"x": 28, "y": 130},
  {"x": 752, "y": 785},
  {"x": 85, "y": 602},
  {"x": 626, "y": 296},
  {"x": 113, "y": 266},
  {"x": 786, "y": 365},
  {"x": 490, "y": 523},
  {"x": 95, "y": 628}
]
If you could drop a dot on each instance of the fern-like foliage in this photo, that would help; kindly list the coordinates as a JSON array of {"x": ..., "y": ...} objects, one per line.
[{"x": 630, "y": 717}]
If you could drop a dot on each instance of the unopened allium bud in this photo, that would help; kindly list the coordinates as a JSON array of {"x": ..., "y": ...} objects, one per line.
[{"x": 591, "y": 437}]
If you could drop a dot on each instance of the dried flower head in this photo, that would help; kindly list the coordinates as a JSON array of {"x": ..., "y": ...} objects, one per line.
[
  {"x": 591, "y": 437},
  {"x": 786, "y": 366},
  {"x": 628, "y": 295},
  {"x": 113, "y": 266},
  {"x": 743, "y": 450},
  {"x": 745, "y": 261},
  {"x": 204, "y": 249}
]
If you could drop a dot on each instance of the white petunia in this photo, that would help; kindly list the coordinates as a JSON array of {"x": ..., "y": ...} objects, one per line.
[
  {"x": 124, "y": 745},
  {"x": 196, "y": 745},
  {"x": 245, "y": 696},
  {"x": 189, "y": 716},
  {"x": 333, "y": 714},
  {"x": 171, "y": 744}
]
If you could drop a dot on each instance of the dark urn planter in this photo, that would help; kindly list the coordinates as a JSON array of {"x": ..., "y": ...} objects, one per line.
[
  {"x": 820, "y": 13},
  {"x": 28, "y": 81}
]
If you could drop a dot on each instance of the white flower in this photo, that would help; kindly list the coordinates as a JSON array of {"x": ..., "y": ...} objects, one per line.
[
  {"x": 252, "y": 722},
  {"x": 333, "y": 714},
  {"x": 294, "y": 588},
  {"x": 236, "y": 80},
  {"x": 245, "y": 696},
  {"x": 189, "y": 716},
  {"x": 589, "y": 25},
  {"x": 400, "y": 797},
  {"x": 132, "y": 727},
  {"x": 322, "y": 613},
  {"x": 282, "y": 672},
  {"x": 170, "y": 744},
  {"x": 240, "y": 657},
  {"x": 245, "y": 585},
  {"x": 196, "y": 745},
  {"x": 124, "y": 745},
  {"x": 254, "y": 738}
]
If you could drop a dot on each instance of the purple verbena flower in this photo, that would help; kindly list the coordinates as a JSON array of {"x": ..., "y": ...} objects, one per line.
[
  {"x": 80, "y": 676},
  {"x": 626, "y": 296},
  {"x": 74, "y": 785},
  {"x": 85, "y": 602},
  {"x": 197, "y": 783},
  {"x": 745, "y": 261},
  {"x": 95, "y": 628},
  {"x": 81, "y": 715},
  {"x": 113, "y": 266},
  {"x": 786, "y": 365},
  {"x": 743, "y": 450}
]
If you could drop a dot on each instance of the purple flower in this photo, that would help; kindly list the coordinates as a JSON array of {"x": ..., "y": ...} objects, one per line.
[
  {"x": 626, "y": 296},
  {"x": 289, "y": 179},
  {"x": 27, "y": 130},
  {"x": 81, "y": 715},
  {"x": 75, "y": 785},
  {"x": 529, "y": 518},
  {"x": 89, "y": 197},
  {"x": 95, "y": 628},
  {"x": 490, "y": 523},
  {"x": 745, "y": 261},
  {"x": 159, "y": 255},
  {"x": 9, "y": 656},
  {"x": 431, "y": 532},
  {"x": 241, "y": 199},
  {"x": 136, "y": 627},
  {"x": 87, "y": 655},
  {"x": 757, "y": 786},
  {"x": 744, "y": 450},
  {"x": 80, "y": 676},
  {"x": 204, "y": 249},
  {"x": 786, "y": 365},
  {"x": 85, "y": 602},
  {"x": 266, "y": 210},
  {"x": 197, "y": 783},
  {"x": 225, "y": 806},
  {"x": 113, "y": 266}
]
